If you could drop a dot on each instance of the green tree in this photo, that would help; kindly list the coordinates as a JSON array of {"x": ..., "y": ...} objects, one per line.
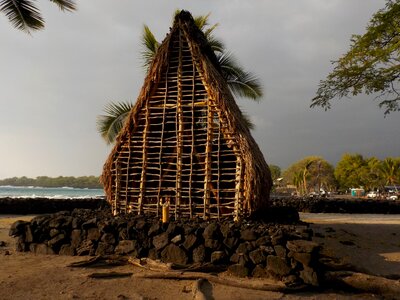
[
  {"x": 349, "y": 171},
  {"x": 24, "y": 14},
  {"x": 371, "y": 66},
  {"x": 275, "y": 172},
  {"x": 297, "y": 181},
  {"x": 372, "y": 174},
  {"x": 390, "y": 171},
  {"x": 311, "y": 173},
  {"x": 242, "y": 83},
  {"x": 306, "y": 174}
]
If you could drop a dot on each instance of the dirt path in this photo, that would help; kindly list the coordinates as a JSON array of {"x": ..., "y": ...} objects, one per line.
[{"x": 369, "y": 242}]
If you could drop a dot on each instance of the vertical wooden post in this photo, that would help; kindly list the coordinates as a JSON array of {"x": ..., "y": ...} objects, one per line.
[
  {"x": 207, "y": 175},
  {"x": 192, "y": 145},
  {"x": 179, "y": 135},
  {"x": 127, "y": 175},
  {"x": 219, "y": 169},
  {"x": 162, "y": 143},
  {"x": 165, "y": 211},
  {"x": 117, "y": 188},
  {"x": 238, "y": 186},
  {"x": 144, "y": 158}
]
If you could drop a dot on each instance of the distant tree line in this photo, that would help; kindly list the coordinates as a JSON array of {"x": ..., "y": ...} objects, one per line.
[
  {"x": 353, "y": 170},
  {"x": 314, "y": 173},
  {"x": 61, "y": 181}
]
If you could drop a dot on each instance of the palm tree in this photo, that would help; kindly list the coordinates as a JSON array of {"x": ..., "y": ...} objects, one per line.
[
  {"x": 25, "y": 16},
  {"x": 371, "y": 172},
  {"x": 306, "y": 175},
  {"x": 298, "y": 182},
  {"x": 241, "y": 83},
  {"x": 390, "y": 171}
]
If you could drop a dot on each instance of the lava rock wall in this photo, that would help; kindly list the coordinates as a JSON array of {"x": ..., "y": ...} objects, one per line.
[
  {"x": 337, "y": 205},
  {"x": 246, "y": 248}
]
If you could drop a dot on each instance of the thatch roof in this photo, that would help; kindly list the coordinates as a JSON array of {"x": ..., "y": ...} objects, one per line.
[{"x": 256, "y": 178}]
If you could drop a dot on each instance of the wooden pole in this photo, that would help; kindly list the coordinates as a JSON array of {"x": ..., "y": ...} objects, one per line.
[
  {"x": 144, "y": 158},
  {"x": 192, "y": 145},
  {"x": 238, "y": 187},
  {"x": 116, "y": 191},
  {"x": 207, "y": 172},
  {"x": 207, "y": 164},
  {"x": 179, "y": 137},
  {"x": 162, "y": 141},
  {"x": 165, "y": 211},
  {"x": 127, "y": 175},
  {"x": 218, "y": 166}
]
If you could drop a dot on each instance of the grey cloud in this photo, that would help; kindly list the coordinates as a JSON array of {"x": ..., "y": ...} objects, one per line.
[{"x": 56, "y": 82}]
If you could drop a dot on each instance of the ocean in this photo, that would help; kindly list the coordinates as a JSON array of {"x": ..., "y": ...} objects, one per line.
[{"x": 51, "y": 193}]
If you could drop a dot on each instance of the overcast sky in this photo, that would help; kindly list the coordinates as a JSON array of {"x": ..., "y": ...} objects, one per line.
[{"x": 54, "y": 83}]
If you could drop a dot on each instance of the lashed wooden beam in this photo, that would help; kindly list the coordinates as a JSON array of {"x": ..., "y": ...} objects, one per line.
[
  {"x": 179, "y": 127},
  {"x": 144, "y": 157}
]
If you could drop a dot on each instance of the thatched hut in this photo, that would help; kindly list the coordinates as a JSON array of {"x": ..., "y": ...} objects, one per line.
[{"x": 185, "y": 141}]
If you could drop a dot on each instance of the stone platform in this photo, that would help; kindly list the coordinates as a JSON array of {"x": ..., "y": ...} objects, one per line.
[{"x": 256, "y": 248}]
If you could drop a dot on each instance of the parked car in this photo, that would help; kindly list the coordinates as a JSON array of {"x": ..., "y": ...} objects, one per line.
[
  {"x": 372, "y": 194},
  {"x": 392, "y": 197}
]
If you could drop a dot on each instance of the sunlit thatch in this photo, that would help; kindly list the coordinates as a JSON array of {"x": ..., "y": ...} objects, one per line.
[{"x": 185, "y": 140}]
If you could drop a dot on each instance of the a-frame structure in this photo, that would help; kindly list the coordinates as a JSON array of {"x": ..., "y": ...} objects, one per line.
[{"x": 185, "y": 140}]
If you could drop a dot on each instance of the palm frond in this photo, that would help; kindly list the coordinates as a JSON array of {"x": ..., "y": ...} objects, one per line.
[
  {"x": 22, "y": 14},
  {"x": 209, "y": 31},
  {"x": 202, "y": 21},
  {"x": 241, "y": 83},
  {"x": 110, "y": 124},
  {"x": 247, "y": 86},
  {"x": 247, "y": 120},
  {"x": 229, "y": 65},
  {"x": 150, "y": 46},
  {"x": 216, "y": 45},
  {"x": 65, "y": 5}
]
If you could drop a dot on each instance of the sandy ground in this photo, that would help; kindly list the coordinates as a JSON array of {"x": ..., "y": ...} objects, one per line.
[{"x": 371, "y": 243}]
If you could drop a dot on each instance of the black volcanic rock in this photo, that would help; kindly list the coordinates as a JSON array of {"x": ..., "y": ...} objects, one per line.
[
  {"x": 17, "y": 228},
  {"x": 211, "y": 231},
  {"x": 190, "y": 241},
  {"x": 277, "y": 266},
  {"x": 199, "y": 254},
  {"x": 251, "y": 247},
  {"x": 160, "y": 241},
  {"x": 174, "y": 254}
]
